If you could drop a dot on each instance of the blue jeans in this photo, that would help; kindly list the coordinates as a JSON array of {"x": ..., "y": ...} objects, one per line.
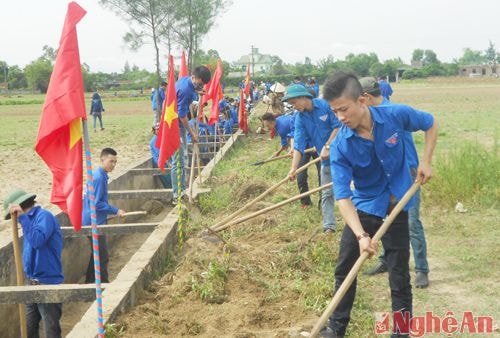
[
  {"x": 97, "y": 116},
  {"x": 50, "y": 313},
  {"x": 327, "y": 200},
  {"x": 417, "y": 237},
  {"x": 183, "y": 151}
]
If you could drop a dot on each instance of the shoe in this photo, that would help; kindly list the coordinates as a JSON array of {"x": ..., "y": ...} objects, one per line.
[
  {"x": 102, "y": 129},
  {"x": 380, "y": 267},
  {"x": 421, "y": 280},
  {"x": 327, "y": 332},
  {"x": 305, "y": 206},
  {"x": 175, "y": 201},
  {"x": 328, "y": 231}
]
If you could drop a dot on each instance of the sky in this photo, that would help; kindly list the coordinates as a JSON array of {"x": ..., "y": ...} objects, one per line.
[{"x": 291, "y": 29}]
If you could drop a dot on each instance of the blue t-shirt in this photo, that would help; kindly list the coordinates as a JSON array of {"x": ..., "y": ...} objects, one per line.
[
  {"x": 185, "y": 92},
  {"x": 410, "y": 149},
  {"x": 378, "y": 168},
  {"x": 154, "y": 98},
  {"x": 385, "y": 89},
  {"x": 283, "y": 128},
  {"x": 42, "y": 246},
  {"x": 103, "y": 208},
  {"x": 234, "y": 114},
  {"x": 316, "y": 125}
]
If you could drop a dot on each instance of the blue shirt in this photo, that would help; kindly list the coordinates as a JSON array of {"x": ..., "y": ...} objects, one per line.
[
  {"x": 234, "y": 114},
  {"x": 103, "y": 209},
  {"x": 316, "y": 125},
  {"x": 42, "y": 246},
  {"x": 228, "y": 127},
  {"x": 154, "y": 98},
  {"x": 378, "y": 168},
  {"x": 385, "y": 89},
  {"x": 410, "y": 149},
  {"x": 185, "y": 92},
  {"x": 155, "y": 152},
  {"x": 283, "y": 128}
]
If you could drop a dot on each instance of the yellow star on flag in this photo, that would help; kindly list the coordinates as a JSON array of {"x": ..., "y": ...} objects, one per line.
[
  {"x": 170, "y": 114},
  {"x": 75, "y": 132}
]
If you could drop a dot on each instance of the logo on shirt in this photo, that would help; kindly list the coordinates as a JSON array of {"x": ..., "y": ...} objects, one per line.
[
  {"x": 393, "y": 139},
  {"x": 323, "y": 118}
]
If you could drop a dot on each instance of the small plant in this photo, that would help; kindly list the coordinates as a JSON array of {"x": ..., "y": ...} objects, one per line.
[
  {"x": 112, "y": 330},
  {"x": 212, "y": 288}
]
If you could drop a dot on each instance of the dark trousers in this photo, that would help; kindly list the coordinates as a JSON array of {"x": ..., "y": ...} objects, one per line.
[
  {"x": 104, "y": 260},
  {"x": 303, "y": 176},
  {"x": 396, "y": 243},
  {"x": 49, "y": 313}
]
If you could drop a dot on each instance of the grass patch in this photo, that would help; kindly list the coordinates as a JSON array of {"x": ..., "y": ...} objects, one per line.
[
  {"x": 470, "y": 173},
  {"x": 211, "y": 288}
]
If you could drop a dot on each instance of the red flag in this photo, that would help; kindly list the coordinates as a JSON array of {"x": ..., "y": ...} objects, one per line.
[
  {"x": 183, "y": 71},
  {"x": 242, "y": 115},
  {"x": 59, "y": 140},
  {"x": 215, "y": 93},
  {"x": 247, "y": 82},
  {"x": 204, "y": 98},
  {"x": 169, "y": 135}
]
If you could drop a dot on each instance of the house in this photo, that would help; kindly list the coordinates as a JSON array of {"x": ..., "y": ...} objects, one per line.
[
  {"x": 479, "y": 70},
  {"x": 262, "y": 63}
]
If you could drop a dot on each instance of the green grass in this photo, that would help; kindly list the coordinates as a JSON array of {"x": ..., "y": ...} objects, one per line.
[{"x": 211, "y": 287}]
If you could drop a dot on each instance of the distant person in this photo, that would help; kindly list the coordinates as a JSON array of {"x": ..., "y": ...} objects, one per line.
[
  {"x": 298, "y": 80},
  {"x": 96, "y": 109},
  {"x": 373, "y": 97},
  {"x": 155, "y": 153},
  {"x": 103, "y": 209},
  {"x": 277, "y": 106},
  {"x": 385, "y": 89},
  {"x": 42, "y": 248},
  {"x": 185, "y": 89},
  {"x": 314, "y": 86},
  {"x": 157, "y": 98}
]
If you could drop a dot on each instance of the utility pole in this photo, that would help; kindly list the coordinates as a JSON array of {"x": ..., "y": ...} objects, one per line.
[{"x": 253, "y": 75}]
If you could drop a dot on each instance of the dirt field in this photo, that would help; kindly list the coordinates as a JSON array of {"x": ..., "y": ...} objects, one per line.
[{"x": 276, "y": 270}]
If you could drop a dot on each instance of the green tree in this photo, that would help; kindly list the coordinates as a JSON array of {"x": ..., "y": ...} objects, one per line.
[
  {"x": 491, "y": 56},
  {"x": 193, "y": 20},
  {"x": 417, "y": 55},
  {"x": 149, "y": 21},
  {"x": 430, "y": 57},
  {"x": 361, "y": 63},
  {"x": 16, "y": 78},
  {"x": 38, "y": 74},
  {"x": 471, "y": 57}
]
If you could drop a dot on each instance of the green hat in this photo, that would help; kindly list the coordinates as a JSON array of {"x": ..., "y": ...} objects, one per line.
[
  {"x": 296, "y": 90},
  {"x": 369, "y": 84},
  {"x": 17, "y": 197}
]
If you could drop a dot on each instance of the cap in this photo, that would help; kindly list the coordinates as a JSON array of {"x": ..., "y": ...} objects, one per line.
[
  {"x": 296, "y": 90},
  {"x": 369, "y": 84},
  {"x": 17, "y": 197}
]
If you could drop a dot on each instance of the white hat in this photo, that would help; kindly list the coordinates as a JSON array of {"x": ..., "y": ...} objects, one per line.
[{"x": 277, "y": 88}]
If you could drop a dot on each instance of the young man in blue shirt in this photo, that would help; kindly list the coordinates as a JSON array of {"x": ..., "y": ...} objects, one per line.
[
  {"x": 42, "y": 248},
  {"x": 373, "y": 96},
  {"x": 282, "y": 126},
  {"x": 185, "y": 88},
  {"x": 317, "y": 123},
  {"x": 369, "y": 151},
  {"x": 103, "y": 209}
]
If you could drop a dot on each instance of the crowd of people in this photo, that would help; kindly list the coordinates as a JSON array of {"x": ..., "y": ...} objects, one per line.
[{"x": 365, "y": 146}]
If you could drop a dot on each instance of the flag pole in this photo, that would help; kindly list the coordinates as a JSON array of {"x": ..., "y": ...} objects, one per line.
[
  {"x": 95, "y": 232},
  {"x": 19, "y": 273},
  {"x": 179, "y": 197}
]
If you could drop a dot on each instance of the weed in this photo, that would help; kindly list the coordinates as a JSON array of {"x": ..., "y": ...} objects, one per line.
[{"x": 212, "y": 288}]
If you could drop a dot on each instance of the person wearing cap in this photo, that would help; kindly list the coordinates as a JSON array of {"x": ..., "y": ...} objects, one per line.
[
  {"x": 186, "y": 88},
  {"x": 42, "y": 248},
  {"x": 103, "y": 209},
  {"x": 317, "y": 123},
  {"x": 385, "y": 89},
  {"x": 373, "y": 97},
  {"x": 277, "y": 106},
  {"x": 368, "y": 151}
]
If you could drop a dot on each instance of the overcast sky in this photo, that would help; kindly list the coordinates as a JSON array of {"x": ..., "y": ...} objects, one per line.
[{"x": 291, "y": 29}]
